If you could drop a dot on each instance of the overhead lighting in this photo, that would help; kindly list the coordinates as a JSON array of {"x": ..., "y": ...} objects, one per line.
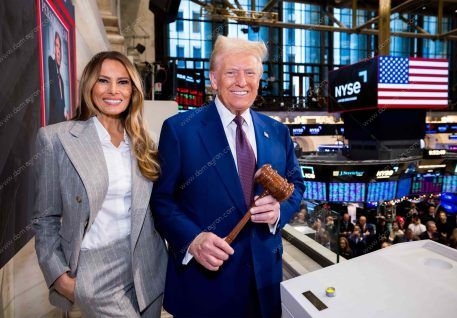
[{"x": 432, "y": 166}]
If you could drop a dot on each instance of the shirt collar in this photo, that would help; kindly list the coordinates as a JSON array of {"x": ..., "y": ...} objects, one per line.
[
  {"x": 103, "y": 133},
  {"x": 227, "y": 117}
]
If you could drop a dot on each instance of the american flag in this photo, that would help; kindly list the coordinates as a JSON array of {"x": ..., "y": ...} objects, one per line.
[{"x": 412, "y": 82}]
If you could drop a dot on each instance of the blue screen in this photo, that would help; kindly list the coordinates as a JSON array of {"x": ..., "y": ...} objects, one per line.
[
  {"x": 424, "y": 184},
  {"x": 347, "y": 192},
  {"x": 404, "y": 187},
  {"x": 450, "y": 184},
  {"x": 315, "y": 190},
  {"x": 381, "y": 191}
]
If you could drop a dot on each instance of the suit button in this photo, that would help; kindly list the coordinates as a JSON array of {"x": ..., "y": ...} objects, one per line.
[{"x": 79, "y": 199}]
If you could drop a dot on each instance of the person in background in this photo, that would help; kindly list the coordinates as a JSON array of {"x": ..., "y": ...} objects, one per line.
[
  {"x": 208, "y": 160},
  {"x": 95, "y": 238},
  {"x": 357, "y": 242},
  {"x": 444, "y": 227},
  {"x": 346, "y": 226},
  {"x": 430, "y": 215},
  {"x": 431, "y": 232},
  {"x": 416, "y": 226},
  {"x": 395, "y": 232},
  {"x": 344, "y": 249},
  {"x": 408, "y": 237},
  {"x": 57, "y": 108}
]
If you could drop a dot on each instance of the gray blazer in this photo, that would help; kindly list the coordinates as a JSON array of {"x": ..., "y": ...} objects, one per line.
[{"x": 72, "y": 181}]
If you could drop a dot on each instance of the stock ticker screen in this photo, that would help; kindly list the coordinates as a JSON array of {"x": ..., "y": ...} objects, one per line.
[
  {"x": 427, "y": 183},
  {"x": 315, "y": 190},
  {"x": 381, "y": 191},
  {"x": 346, "y": 192}
]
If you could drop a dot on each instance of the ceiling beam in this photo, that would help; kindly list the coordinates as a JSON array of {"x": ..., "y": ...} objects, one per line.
[
  {"x": 270, "y": 5},
  {"x": 408, "y": 22},
  {"x": 393, "y": 10}
]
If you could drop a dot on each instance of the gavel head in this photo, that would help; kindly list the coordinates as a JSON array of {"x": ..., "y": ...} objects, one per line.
[{"x": 273, "y": 183}]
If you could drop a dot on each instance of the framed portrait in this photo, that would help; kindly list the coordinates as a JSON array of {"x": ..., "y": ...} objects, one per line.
[{"x": 56, "y": 58}]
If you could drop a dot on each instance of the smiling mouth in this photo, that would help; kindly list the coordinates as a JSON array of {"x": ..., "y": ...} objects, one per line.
[
  {"x": 240, "y": 93},
  {"x": 113, "y": 102}
]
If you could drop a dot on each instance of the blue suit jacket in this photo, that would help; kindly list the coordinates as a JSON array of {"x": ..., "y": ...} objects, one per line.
[{"x": 199, "y": 190}]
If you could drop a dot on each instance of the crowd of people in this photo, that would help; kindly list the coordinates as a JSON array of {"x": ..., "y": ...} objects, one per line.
[{"x": 352, "y": 238}]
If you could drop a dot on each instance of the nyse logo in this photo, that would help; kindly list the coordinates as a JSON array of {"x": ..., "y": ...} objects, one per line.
[{"x": 349, "y": 91}]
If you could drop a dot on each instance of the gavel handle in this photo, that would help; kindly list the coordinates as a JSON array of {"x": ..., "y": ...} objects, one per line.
[{"x": 237, "y": 229}]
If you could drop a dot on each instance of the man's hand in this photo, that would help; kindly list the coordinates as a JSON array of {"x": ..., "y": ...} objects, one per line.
[
  {"x": 210, "y": 250},
  {"x": 266, "y": 210},
  {"x": 65, "y": 285}
]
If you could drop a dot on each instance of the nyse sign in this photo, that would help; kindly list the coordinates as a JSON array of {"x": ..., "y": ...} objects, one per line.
[{"x": 353, "y": 87}]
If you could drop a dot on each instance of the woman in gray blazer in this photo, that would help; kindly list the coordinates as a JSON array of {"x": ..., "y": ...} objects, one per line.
[{"x": 95, "y": 237}]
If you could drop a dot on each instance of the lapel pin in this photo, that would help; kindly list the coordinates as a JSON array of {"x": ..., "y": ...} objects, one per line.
[{"x": 266, "y": 134}]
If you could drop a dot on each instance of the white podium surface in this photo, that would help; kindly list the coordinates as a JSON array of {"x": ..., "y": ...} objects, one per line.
[{"x": 415, "y": 279}]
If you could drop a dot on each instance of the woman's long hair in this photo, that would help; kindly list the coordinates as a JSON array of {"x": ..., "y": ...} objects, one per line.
[{"x": 143, "y": 147}]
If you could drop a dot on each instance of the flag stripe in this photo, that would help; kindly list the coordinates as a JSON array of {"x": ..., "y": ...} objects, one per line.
[
  {"x": 430, "y": 79},
  {"x": 431, "y": 71},
  {"x": 420, "y": 87},
  {"x": 412, "y": 94},
  {"x": 429, "y": 64},
  {"x": 420, "y": 101}
]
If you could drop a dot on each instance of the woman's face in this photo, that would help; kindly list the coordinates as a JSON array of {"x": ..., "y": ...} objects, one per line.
[
  {"x": 342, "y": 243},
  {"x": 112, "y": 91}
]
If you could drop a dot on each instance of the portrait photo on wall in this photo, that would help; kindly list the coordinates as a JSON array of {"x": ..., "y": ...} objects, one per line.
[{"x": 55, "y": 64}]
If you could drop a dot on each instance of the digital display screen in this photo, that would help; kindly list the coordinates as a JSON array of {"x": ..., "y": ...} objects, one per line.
[
  {"x": 437, "y": 128},
  {"x": 316, "y": 129},
  {"x": 427, "y": 183},
  {"x": 450, "y": 184},
  {"x": 353, "y": 87},
  {"x": 190, "y": 89},
  {"x": 346, "y": 192},
  {"x": 315, "y": 190},
  {"x": 381, "y": 191},
  {"x": 404, "y": 187}
]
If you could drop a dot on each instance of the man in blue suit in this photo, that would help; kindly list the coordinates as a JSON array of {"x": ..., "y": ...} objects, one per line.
[
  {"x": 199, "y": 197},
  {"x": 57, "y": 110}
]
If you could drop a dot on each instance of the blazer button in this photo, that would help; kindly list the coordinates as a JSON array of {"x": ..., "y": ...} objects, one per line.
[{"x": 79, "y": 199}]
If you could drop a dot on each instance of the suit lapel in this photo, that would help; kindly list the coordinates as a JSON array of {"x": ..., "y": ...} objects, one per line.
[
  {"x": 83, "y": 147},
  {"x": 212, "y": 126},
  {"x": 141, "y": 192}
]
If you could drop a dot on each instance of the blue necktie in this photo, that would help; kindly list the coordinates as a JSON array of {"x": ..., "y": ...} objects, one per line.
[{"x": 245, "y": 159}]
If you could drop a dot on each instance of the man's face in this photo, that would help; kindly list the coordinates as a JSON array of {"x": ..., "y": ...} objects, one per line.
[
  {"x": 362, "y": 220},
  {"x": 236, "y": 78},
  {"x": 57, "y": 51},
  {"x": 443, "y": 217}
]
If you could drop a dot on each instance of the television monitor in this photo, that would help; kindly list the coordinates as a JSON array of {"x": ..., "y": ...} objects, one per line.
[
  {"x": 381, "y": 191},
  {"x": 404, "y": 187},
  {"x": 346, "y": 192},
  {"x": 427, "y": 183},
  {"x": 315, "y": 190},
  {"x": 450, "y": 184}
]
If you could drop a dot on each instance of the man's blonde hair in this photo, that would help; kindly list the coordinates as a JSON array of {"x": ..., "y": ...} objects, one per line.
[{"x": 225, "y": 45}]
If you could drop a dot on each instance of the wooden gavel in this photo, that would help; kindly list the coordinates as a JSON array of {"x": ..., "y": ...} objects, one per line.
[{"x": 272, "y": 184}]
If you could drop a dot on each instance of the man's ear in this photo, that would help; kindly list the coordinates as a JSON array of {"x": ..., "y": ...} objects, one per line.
[{"x": 212, "y": 77}]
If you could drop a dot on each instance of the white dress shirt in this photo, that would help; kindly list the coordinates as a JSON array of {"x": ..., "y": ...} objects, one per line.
[
  {"x": 230, "y": 128},
  {"x": 113, "y": 221}
]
